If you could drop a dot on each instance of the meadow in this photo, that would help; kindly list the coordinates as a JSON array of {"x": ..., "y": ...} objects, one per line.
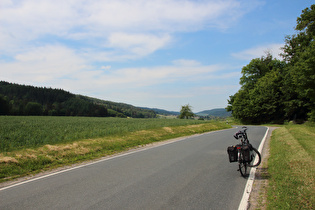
[
  {"x": 17, "y": 132},
  {"x": 29, "y": 145},
  {"x": 291, "y": 168}
]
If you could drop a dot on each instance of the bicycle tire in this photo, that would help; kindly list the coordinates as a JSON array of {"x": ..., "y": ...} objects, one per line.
[
  {"x": 242, "y": 165},
  {"x": 255, "y": 155}
]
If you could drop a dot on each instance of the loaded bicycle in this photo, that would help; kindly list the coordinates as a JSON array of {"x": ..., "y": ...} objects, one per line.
[{"x": 244, "y": 153}]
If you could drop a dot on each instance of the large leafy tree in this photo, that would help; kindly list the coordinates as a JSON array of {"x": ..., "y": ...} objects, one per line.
[
  {"x": 258, "y": 99},
  {"x": 299, "y": 52},
  {"x": 258, "y": 68}
]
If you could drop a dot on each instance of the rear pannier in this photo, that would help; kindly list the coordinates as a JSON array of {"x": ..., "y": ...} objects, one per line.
[
  {"x": 246, "y": 153},
  {"x": 232, "y": 152}
]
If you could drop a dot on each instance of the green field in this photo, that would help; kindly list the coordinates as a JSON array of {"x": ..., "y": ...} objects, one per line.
[
  {"x": 33, "y": 144},
  {"x": 27, "y": 132}
]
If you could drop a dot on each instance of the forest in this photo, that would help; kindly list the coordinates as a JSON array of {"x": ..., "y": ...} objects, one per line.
[
  {"x": 275, "y": 91},
  {"x": 27, "y": 100}
]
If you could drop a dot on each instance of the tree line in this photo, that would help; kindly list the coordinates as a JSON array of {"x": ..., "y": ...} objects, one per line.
[
  {"x": 275, "y": 90},
  {"x": 18, "y": 99}
]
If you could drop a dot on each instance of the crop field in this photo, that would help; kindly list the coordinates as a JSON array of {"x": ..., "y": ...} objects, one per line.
[
  {"x": 29, "y": 145},
  {"x": 18, "y": 132}
]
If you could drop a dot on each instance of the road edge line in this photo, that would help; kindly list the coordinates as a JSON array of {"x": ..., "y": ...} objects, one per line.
[{"x": 249, "y": 184}]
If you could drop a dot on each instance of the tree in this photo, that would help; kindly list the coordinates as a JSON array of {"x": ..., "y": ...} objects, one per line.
[
  {"x": 33, "y": 108},
  {"x": 258, "y": 99},
  {"x": 4, "y": 106},
  {"x": 299, "y": 52},
  {"x": 186, "y": 112}
]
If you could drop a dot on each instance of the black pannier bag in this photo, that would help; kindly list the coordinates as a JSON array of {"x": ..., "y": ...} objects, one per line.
[
  {"x": 246, "y": 153},
  {"x": 232, "y": 151}
]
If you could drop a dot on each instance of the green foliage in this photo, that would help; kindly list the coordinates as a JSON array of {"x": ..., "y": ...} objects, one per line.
[
  {"x": 4, "y": 106},
  {"x": 29, "y": 100},
  {"x": 260, "y": 99},
  {"x": 186, "y": 112},
  {"x": 274, "y": 90},
  {"x": 123, "y": 110},
  {"x": 33, "y": 108},
  {"x": 257, "y": 69},
  {"x": 299, "y": 52}
]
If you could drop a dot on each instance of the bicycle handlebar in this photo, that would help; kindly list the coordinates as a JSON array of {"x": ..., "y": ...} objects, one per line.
[{"x": 241, "y": 133}]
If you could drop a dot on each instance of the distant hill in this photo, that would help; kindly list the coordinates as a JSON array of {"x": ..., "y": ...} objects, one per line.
[
  {"x": 162, "y": 111},
  {"x": 18, "y": 99},
  {"x": 117, "y": 108},
  {"x": 220, "y": 112}
]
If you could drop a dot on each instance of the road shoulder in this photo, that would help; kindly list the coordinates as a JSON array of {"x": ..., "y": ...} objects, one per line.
[{"x": 258, "y": 196}]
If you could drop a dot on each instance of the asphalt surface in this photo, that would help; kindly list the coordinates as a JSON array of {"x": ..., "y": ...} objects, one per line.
[{"x": 191, "y": 173}]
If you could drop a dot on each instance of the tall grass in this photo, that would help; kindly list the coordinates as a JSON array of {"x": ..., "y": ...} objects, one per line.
[{"x": 291, "y": 168}]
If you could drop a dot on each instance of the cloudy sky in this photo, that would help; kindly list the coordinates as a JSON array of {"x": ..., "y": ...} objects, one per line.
[{"x": 149, "y": 53}]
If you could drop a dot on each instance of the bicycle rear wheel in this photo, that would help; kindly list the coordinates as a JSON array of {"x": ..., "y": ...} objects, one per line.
[
  {"x": 242, "y": 165},
  {"x": 255, "y": 158}
]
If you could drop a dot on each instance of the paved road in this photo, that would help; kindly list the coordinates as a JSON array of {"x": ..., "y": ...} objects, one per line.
[{"x": 192, "y": 173}]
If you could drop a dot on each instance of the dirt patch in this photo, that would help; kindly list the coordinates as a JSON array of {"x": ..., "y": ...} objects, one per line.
[{"x": 258, "y": 196}]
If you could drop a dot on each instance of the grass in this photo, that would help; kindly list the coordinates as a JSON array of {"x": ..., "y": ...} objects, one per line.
[
  {"x": 35, "y": 144},
  {"x": 17, "y": 132},
  {"x": 291, "y": 168}
]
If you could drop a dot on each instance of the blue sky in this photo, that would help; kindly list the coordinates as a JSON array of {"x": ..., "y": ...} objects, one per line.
[{"x": 157, "y": 53}]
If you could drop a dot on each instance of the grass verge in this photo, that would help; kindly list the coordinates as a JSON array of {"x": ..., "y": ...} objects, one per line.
[
  {"x": 31, "y": 160},
  {"x": 291, "y": 168}
]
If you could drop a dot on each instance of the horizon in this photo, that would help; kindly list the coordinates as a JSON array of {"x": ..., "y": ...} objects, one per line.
[
  {"x": 106, "y": 100},
  {"x": 142, "y": 53}
]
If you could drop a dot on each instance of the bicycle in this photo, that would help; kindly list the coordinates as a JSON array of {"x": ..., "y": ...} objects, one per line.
[{"x": 245, "y": 154}]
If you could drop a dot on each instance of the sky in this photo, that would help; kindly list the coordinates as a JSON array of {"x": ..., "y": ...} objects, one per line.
[{"x": 149, "y": 53}]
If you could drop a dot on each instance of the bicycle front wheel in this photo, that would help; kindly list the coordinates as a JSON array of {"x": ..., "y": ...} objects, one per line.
[{"x": 255, "y": 158}]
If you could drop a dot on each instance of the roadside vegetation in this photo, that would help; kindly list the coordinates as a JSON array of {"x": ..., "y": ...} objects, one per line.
[
  {"x": 32, "y": 144},
  {"x": 291, "y": 168}
]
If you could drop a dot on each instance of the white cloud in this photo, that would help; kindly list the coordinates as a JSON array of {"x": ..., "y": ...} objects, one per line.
[
  {"x": 61, "y": 66},
  {"x": 44, "y": 64},
  {"x": 149, "y": 76},
  {"x": 257, "y": 52},
  {"x": 185, "y": 62},
  {"x": 105, "y": 67},
  {"x": 139, "y": 27},
  {"x": 167, "y": 15},
  {"x": 138, "y": 44}
]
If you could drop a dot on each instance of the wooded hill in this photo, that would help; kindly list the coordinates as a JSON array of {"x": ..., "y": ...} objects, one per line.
[
  {"x": 18, "y": 99},
  {"x": 162, "y": 111},
  {"x": 220, "y": 112},
  {"x": 280, "y": 90}
]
